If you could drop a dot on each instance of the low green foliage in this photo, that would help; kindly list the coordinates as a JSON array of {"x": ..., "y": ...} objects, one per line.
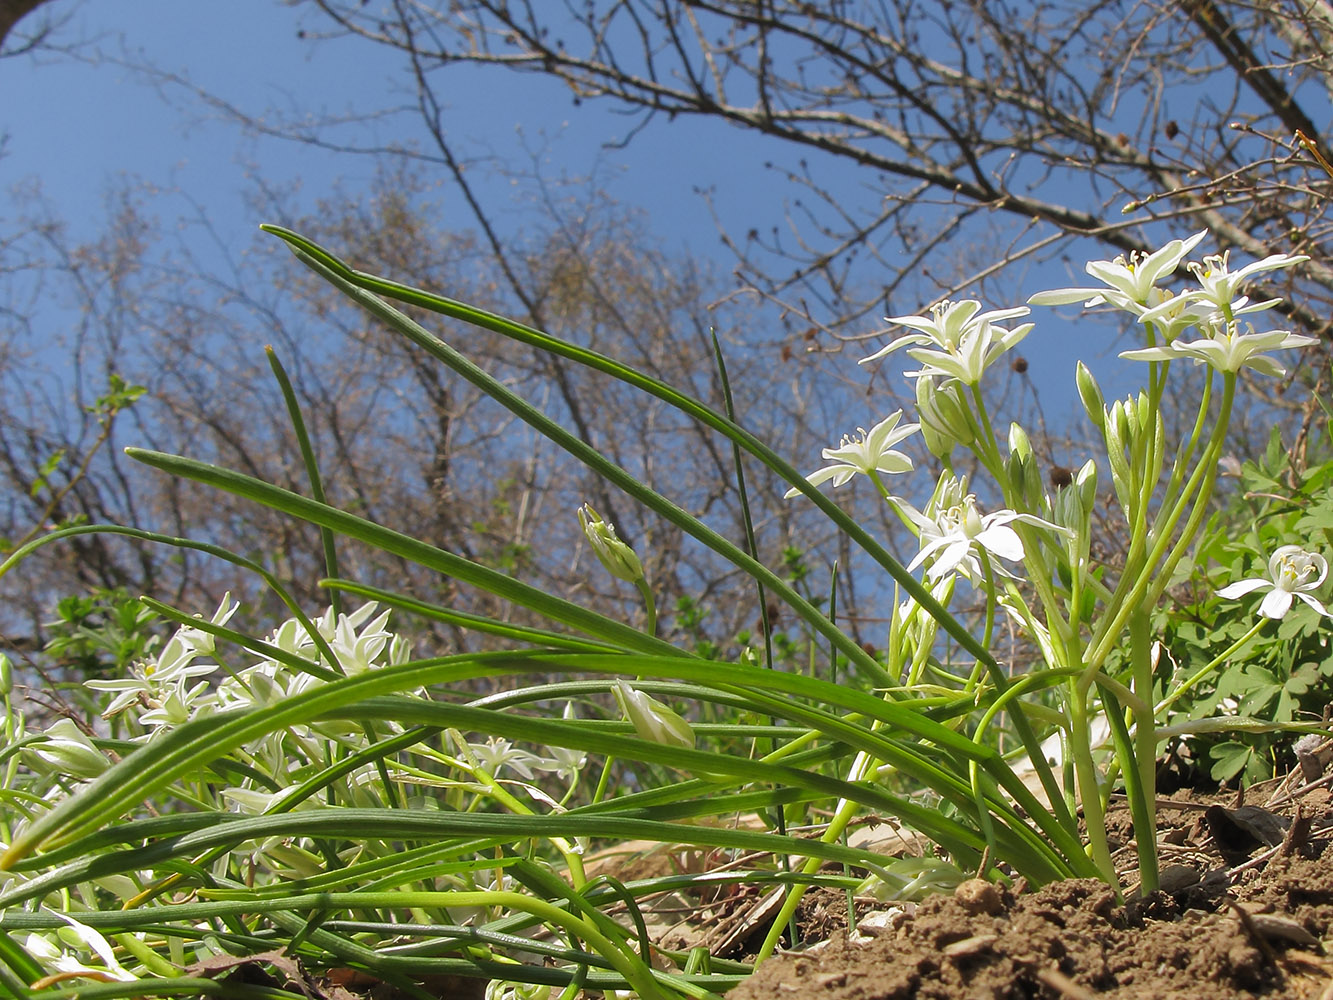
[
  {"x": 1285, "y": 673},
  {"x": 102, "y": 633}
]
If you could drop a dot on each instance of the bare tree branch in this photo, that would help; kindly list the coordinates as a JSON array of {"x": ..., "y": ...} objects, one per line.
[{"x": 956, "y": 115}]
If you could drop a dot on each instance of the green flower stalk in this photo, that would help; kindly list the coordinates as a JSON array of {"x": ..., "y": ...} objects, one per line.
[{"x": 1080, "y": 616}]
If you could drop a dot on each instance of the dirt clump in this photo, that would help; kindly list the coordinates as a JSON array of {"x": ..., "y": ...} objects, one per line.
[{"x": 1072, "y": 940}]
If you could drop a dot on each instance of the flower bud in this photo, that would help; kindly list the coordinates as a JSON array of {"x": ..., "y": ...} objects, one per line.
[
  {"x": 943, "y": 416},
  {"x": 934, "y": 429},
  {"x": 1091, "y": 395},
  {"x": 1121, "y": 416},
  {"x": 1019, "y": 443},
  {"x": 652, "y": 720},
  {"x": 1072, "y": 507},
  {"x": 1024, "y": 482},
  {"x": 1086, "y": 484},
  {"x": 70, "y": 752},
  {"x": 617, "y": 557},
  {"x": 1067, "y": 509}
]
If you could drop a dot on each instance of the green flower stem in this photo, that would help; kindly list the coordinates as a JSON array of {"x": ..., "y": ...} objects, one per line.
[
  {"x": 1149, "y": 580},
  {"x": 649, "y": 606},
  {"x": 988, "y": 631},
  {"x": 1089, "y": 791},
  {"x": 842, "y": 815},
  {"x": 989, "y": 452},
  {"x": 151, "y": 960},
  {"x": 1212, "y": 665},
  {"x": 495, "y": 790},
  {"x": 1186, "y": 452},
  {"x": 1124, "y": 753},
  {"x": 1144, "y": 587},
  {"x": 1208, "y": 463},
  {"x": 1144, "y": 749},
  {"x": 1154, "y": 445},
  {"x": 894, "y": 506}
]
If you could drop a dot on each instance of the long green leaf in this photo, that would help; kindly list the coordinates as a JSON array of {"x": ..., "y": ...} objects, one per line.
[
  {"x": 332, "y": 267},
  {"x": 464, "y": 619},
  {"x": 594, "y": 459},
  {"x": 399, "y": 544}
]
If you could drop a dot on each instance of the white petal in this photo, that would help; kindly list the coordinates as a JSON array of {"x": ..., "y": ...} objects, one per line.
[
  {"x": 926, "y": 550},
  {"x": 1313, "y": 603},
  {"x": 954, "y": 553},
  {"x": 1264, "y": 365},
  {"x": 1151, "y": 354},
  {"x": 1276, "y": 603},
  {"x": 903, "y": 341},
  {"x": 1064, "y": 296},
  {"x": 1242, "y": 587},
  {"x": 1002, "y": 541}
]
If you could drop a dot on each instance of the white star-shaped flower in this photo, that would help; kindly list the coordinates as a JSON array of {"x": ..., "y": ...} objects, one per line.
[
  {"x": 958, "y": 529},
  {"x": 1129, "y": 283},
  {"x": 1218, "y": 284},
  {"x": 1228, "y": 350},
  {"x": 980, "y": 347},
  {"x": 1293, "y": 573},
  {"x": 871, "y": 451},
  {"x": 946, "y": 326}
]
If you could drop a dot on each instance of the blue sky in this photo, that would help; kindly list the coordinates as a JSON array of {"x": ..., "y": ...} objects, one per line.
[{"x": 85, "y": 126}]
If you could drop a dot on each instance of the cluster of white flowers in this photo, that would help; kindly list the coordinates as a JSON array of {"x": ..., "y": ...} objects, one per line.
[
  {"x": 965, "y": 341},
  {"x": 162, "y": 688},
  {"x": 167, "y": 695},
  {"x": 956, "y": 344},
  {"x": 1211, "y": 308},
  {"x": 176, "y": 687}
]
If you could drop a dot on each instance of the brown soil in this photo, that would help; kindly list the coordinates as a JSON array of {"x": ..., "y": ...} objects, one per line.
[{"x": 1251, "y": 924}]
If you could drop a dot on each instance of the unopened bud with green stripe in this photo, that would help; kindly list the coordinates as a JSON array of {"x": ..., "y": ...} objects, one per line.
[{"x": 618, "y": 558}]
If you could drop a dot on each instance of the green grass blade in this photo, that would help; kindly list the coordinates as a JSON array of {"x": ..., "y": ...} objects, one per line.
[
  {"x": 399, "y": 544},
  {"x": 341, "y": 274},
  {"x": 466, "y": 620},
  {"x": 326, "y": 537},
  {"x": 594, "y": 460}
]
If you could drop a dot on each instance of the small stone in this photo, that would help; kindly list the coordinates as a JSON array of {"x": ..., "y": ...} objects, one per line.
[
  {"x": 1276, "y": 928},
  {"x": 880, "y": 922},
  {"x": 969, "y": 946},
  {"x": 1173, "y": 878},
  {"x": 979, "y": 896}
]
